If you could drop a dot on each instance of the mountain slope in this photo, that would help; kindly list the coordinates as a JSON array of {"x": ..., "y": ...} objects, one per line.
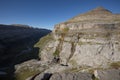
[
  {"x": 90, "y": 39},
  {"x": 87, "y": 43}
]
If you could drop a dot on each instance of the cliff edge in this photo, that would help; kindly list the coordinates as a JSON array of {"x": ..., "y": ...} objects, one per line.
[
  {"x": 90, "y": 39},
  {"x": 86, "y": 47}
]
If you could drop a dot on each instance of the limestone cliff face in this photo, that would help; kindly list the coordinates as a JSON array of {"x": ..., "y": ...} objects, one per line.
[{"x": 90, "y": 39}]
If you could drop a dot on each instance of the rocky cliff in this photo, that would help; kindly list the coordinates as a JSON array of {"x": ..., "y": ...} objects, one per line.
[
  {"x": 90, "y": 39},
  {"x": 85, "y": 43}
]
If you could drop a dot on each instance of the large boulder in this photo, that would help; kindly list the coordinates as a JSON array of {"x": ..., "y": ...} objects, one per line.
[{"x": 29, "y": 69}]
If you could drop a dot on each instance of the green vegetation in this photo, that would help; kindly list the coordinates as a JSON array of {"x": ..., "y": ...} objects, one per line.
[
  {"x": 63, "y": 31},
  {"x": 74, "y": 70},
  {"x": 84, "y": 43},
  {"x": 73, "y": 62},
  {"x": 25, "y": 74},
  {"x": 91, "y": 70},
  {"x": 91, "y": 43},
  {"x": 94, "y": 78},
  {"x": 66, "y": 29},
  {"x": 108, "y": 35},
  {"x": 56, "y": 53},
  {"x": 115, "y": 64},
  {"x": 73, "y": 20},
  {"x": 42, "y": 42}
]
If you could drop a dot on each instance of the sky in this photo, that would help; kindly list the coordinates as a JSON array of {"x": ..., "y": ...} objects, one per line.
[{"x": 47, "y": 13}]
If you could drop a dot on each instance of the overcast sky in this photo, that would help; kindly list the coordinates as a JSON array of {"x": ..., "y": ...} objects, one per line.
[{"x": 47, "y": 13}]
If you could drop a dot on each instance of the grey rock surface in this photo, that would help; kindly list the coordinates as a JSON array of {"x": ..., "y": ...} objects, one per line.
[
  {"x": 43, "y": 76},
  {"x": 84, "y": 43},
  {"x": 94, "y": 42},
  {"x": 71, "y": 76},
  {"x": 32, "y": 65},
  {"x": 110, "y": 74},
  {"x": 47, "y": 53}
]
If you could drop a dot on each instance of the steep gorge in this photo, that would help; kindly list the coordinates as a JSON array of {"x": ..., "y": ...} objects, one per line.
[{"x": 17, "y": 45}]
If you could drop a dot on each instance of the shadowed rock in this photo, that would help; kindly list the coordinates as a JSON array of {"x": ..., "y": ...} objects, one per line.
[{"x": 17, "y": 45}]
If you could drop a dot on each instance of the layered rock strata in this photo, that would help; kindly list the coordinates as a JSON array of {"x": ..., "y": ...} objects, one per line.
[{"x": 90, "y": 39}]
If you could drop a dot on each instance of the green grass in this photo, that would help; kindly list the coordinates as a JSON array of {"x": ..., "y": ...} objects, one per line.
[
  {"x": 91, "y": 43},
  {"x": 62, "y": 32},
  {"x": 73, "y": 62},
  {"x": 94, "y": 78},
  {"x": 56, "y": 53},
  {"x": 73, "y": 70},
  {"x": 43, "y": 41},
  {"x": 115, "y": 65},
  {"x": 66, "y": 29},
  {"x": 25, "y": 74}
]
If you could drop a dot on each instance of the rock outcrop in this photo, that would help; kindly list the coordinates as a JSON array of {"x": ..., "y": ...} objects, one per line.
[
  {"x": 111, "y": 74},
  {"x": 71, "y": 76},
  {"x": 43, "y": 76},
  {"x": 85, "y": 47},
  {"x": 90, "y": 39}
]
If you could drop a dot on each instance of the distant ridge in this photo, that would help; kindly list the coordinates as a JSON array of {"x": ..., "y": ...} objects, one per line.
[{"x": 19, "y": 25}]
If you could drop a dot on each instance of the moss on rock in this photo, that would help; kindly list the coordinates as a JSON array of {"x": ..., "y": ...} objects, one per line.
[{"x": 43, "y": 41}]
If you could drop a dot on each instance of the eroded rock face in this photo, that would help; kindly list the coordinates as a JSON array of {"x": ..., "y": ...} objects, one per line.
[
  {"x": 82, "y": 48},
  {"x": 43, "y": 76},
  {"x": 30, "y": 69},
  {"x": 30, "y": 65},
  {"x": 71, "y": 76},
  {"x": 78, "y": 42},
  {"x": 111, "y": 74}
]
